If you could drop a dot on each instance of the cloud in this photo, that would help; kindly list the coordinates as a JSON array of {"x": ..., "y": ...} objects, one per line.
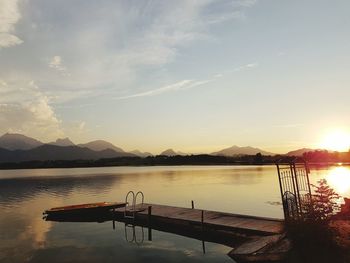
[
  {"x": 289, "y": 125},
  {"x": 57, "y": 64},
  {"x": 25, "y": 109},
  {"x": 184, "y": 84},
  {"x": 246, "y": 66},
  {"x": 245, "y": 3},
  {"x": 82, "y": 125},
  {"x": 236, "y": 69},
  {"x": 9, "y": 16}
]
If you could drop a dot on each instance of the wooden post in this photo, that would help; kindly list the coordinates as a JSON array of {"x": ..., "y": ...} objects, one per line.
[
  {"x": 149, "y": 214},
  {"x": 192, "y": 204},
  {"x": 149, "y": 223},
  {"x": 202, "y": 220},
  {"x": 113, "y": 218},
  {"x": 202, "y": 223}
]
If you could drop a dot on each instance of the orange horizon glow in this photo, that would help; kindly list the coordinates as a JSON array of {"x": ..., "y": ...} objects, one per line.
[{"x": 336, "y": 140}]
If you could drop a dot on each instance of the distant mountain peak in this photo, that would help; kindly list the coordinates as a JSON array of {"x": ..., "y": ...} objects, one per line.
[
  {"x": 141, "y": 154},
  {"x": 299, "y": 152},
  {"x": 171, "y": 152},
  {"x": 63, "y": 142},
  {"x": 16, "y": 141},
  {"x": 241, "y": 150},
  {"x": 99, "y": 145}
]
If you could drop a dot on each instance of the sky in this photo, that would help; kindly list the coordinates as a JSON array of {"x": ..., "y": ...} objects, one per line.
[{"x": 195, "y": 76}]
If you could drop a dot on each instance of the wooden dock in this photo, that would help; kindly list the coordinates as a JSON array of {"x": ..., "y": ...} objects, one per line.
[
  {"x": 250, "y": 225},
  {"x": 253, "y": 239}
]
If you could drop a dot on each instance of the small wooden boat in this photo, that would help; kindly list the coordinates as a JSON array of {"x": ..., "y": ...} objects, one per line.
[{"x": 82, "y": 209}]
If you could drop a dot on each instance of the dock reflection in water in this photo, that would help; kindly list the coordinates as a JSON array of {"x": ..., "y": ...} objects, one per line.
[{"x": 143, "y": 235}]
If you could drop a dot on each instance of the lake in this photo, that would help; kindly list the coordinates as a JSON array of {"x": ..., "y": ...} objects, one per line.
[{"x": 25, "y": 194}]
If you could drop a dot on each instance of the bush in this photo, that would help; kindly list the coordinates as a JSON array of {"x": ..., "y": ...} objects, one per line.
[
  {"x": 323, "y": 204},
  {"x": 312, "y": 236}
]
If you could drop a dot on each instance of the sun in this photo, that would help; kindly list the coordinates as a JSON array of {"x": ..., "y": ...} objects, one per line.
[{"x": 337, "y": 140}]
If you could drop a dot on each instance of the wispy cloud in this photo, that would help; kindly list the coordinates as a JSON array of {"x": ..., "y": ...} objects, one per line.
[
  {"x": 9, "y": 16},
  {"x": 288, "y": 125},
  {"x": 184, "y": 84},
  {"x": 246, "y": 66},
  {"x": 246, "y": 3},
  {"x": 236, "y": 69},
  {"x": 187, "y": 83}
]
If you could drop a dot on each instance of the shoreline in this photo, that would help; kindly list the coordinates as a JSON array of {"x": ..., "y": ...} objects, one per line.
[{"x": 54, "y": 164}]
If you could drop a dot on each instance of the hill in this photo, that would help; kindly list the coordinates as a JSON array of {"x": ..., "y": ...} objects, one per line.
[
  {"x": 299, "y": 152},
  {"x": 63, "y": 142},
  {"x": 14, "y": 141},
  {"x": 141, "y": 154},
  {"x": 171, "y": 152},
  {"x": 100, "y": 145},
  {"x": 237, "y": 150}
]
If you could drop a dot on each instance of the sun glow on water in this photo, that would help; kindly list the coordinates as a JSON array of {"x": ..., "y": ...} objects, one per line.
[{"x": 339, "y": 179}]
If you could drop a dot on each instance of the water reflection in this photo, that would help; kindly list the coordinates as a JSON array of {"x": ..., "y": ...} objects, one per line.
[
  {"x": 15, "y": 191},
  {"x": 24, "y": 195},
  {"x": 92, "y": 242},
  {"x": 141, "y": 233}
]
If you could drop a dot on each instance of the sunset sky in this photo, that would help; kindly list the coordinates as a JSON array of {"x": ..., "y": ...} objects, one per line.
[{"x": 196, "y": 76}]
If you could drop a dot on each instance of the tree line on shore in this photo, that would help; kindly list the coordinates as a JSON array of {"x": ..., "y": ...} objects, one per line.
[{"x": 320, "y": 157}]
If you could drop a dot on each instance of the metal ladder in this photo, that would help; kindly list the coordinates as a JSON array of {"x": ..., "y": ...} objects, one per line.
[{"x": 130, "y": 213}]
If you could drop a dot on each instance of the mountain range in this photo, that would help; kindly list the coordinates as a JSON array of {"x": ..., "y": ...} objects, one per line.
[
  {"x": 48, "y": 152},
  {"x": 18, "y": 148}
]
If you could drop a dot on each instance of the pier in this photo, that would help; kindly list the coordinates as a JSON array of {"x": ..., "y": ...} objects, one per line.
[
  {"x": 253, "y": 239},
  {"x": 244, "y": 224}
]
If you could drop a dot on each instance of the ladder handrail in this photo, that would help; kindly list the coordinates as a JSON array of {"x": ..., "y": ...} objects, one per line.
[
  {"x": 132, "y": 205},
  {"x": 143, "y": 198}
]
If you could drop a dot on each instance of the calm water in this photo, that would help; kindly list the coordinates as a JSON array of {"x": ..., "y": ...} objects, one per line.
[{"x": 25, "y": 194}]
